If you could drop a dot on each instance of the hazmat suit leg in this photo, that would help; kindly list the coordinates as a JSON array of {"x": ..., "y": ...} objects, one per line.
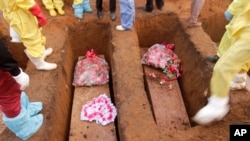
[
  {"x": 40, "y": 63},
  {"x": 23, "y": 125},
  {"x": 31, "y": 36},
  {"x": 240, "y": 79},
  {"x": 59, "y": 6},
  {"x": 230, "y": 63},
  {"x": 86, "y": 6},
  {"x": 15, "y": 116},
  {"x": 33, "y": 108},
  {"x": 78, "y": 10},
  {"x": 127, "y": 11},
  {"x": 49, "y": 5},
  {"x": 224, "y": 45}
]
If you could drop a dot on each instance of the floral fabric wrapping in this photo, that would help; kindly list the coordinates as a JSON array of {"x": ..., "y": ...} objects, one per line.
[
  {"x": 91, "y": 71},
  {"x": 162, "y": 56},
  {"x": 99, "y": 109}
]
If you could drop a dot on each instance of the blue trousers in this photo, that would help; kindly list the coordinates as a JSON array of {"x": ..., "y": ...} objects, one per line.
[{"x": 127, "y": 11}]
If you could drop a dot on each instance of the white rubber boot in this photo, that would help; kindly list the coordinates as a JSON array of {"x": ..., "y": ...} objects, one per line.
[
  {"x": 41, "y": 64},
  {"x": 215, "y": 110},
  {"x": 240, "y": 77},
  {"x": 22, "y": 79},
  {"x": 47, "y": 52},
  {"x": 240, "y": 82}
]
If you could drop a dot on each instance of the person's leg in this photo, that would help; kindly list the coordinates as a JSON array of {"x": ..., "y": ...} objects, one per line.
[
  {"x": 78, "y": 10},
  {"x": 59, "y": 6},
  {"x": 15, "y": 116},
  {"x": 49, "y": 5},
  {"x": 230, "y": 63},
  {"x": 112, "y": 4},
  {"x": 112, "y": 8},
  {"x": 196, "y": 7},
  {"x": 225, "y": 43},
  {"x": 127, "y": 11},
  {"x": 7, "y": 62},
  {"x": 99, "y": 9},
  {"x": 32, "y": 107},
  {"x": 86, "y": 6},
  {"x": 149, "y": 6},
  {"x": 10, "y": 94},
  {"x": 159, "y": 4},
  {"x": 192, "y": 7},
  {"x": 33, "y": 39}
]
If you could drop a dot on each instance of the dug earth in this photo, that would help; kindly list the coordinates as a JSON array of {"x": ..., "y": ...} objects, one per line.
[{"x": 135, "y": 121}]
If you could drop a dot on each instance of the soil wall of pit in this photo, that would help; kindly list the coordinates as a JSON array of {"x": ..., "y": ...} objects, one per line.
[
  {"x": 194, "y": 82},
  {"x": 56, "y": 86},
  {"x": 213, "y": 18}
]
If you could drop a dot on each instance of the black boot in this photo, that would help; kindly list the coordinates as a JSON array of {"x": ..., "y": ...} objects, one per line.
[
  {"x": 147, "y": 9},
  {"x": 212, "y": 59},
  {"x": 112, "y": 16},
  {"x": 99, "y": 14},
  {"x": 159, "y": 4},
  {"x": 149, "y": 6}
]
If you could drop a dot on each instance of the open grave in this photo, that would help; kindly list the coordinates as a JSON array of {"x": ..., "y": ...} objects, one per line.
[{"x": 128, "y": 87}]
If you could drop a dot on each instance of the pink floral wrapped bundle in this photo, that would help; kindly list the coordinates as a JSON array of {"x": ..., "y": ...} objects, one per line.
[
  {"x": 100, "y": 109},
  {"x": 91, "y": 70},
  {"x": 162, "y": 56}
]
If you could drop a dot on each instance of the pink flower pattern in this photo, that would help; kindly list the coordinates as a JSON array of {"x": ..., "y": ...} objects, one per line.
[
  {"x": 162, "y": 56},
  {"x": 100, "y": 109}
]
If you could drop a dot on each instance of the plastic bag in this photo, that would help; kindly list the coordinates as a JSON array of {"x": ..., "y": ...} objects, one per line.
[
  {"x": 162, "y": 56},
  {"x": 91, "y": 70}
]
